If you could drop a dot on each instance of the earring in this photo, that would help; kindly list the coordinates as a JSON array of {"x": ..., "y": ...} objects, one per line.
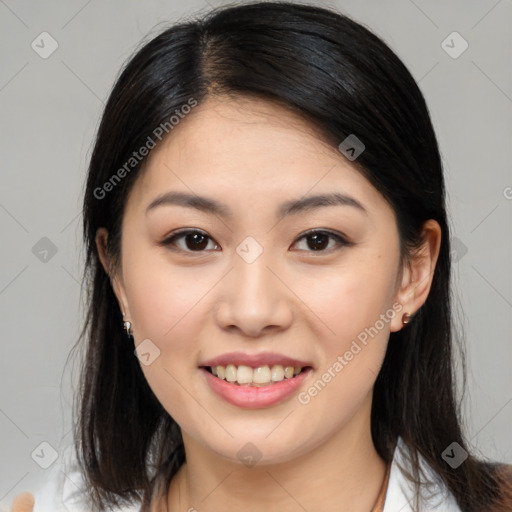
[
  {"x": 405, "y": 318},
  {"x": 127, "y": 326}
]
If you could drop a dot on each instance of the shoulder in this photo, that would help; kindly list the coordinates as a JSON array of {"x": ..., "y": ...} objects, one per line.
[
  {"x": 63, "y": 489},
  {"x": 437, "y": 496},
  {"x": 401, "y": 492}
]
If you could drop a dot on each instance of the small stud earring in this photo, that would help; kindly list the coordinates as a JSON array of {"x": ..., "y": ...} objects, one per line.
[{"x": 405, "y": 318}]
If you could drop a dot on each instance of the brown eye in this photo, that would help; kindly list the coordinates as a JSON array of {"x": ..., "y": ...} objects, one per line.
[
  {"x": 195, "y": 241},
  {"x": 318, "y": 241}
]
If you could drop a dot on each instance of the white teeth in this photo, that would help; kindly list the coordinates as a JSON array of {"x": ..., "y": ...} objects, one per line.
[
  {"x": 277, "y": 373},
  {"x": 288, "y": 372},
  {"x": 244, "y": 375},
  {"x": 231, "y": 373},
  {"x": 262, "y": 375}
]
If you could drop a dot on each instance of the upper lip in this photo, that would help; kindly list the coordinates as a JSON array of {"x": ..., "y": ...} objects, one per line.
[{"x": 254, "y": 360}]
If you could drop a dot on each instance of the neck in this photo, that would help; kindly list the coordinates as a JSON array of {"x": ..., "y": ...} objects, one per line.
[{"x": 344, "y": 473}]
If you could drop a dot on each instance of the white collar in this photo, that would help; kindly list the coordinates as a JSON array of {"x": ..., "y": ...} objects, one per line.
[
  {"x": 62, "y": 491},
  {"x": 400, "y": 494}
]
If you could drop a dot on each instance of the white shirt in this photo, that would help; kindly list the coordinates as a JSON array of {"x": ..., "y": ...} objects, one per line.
[{"x": 62, "y": 490}]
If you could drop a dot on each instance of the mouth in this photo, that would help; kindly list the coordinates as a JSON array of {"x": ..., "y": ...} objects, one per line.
[{"x": 261, "y": 376}]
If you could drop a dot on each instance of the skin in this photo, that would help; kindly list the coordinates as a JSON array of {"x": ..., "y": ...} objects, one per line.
[{"x": 252, "y": 156}]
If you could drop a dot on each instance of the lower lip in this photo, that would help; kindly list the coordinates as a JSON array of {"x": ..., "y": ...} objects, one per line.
[{"x": 252, "y": 397}]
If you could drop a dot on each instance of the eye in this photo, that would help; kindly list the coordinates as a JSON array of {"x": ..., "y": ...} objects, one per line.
[
  {"x": 320, "y": 239},
  {"x": 197, "y": 241}
]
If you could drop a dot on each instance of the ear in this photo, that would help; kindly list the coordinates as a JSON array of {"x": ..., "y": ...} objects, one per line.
[
  {"x": 418, "y": 273},
  {"x": 116, "y": 280}
]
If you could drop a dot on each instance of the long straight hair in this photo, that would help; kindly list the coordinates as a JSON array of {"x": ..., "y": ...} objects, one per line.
[{"x": 343, "y": 80}]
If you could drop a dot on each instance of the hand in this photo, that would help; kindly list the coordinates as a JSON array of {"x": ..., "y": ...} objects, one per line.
[{"x": 24, "y": 502}]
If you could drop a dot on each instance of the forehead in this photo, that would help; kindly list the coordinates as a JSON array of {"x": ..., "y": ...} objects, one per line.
[
  {"x": 228, "y": 121},
  {"x": 252, "y": 149}
]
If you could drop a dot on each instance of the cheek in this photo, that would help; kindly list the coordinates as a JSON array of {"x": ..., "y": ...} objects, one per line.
[
  {"x": 349, "y": 302},
  {"x": 163, "y": 297},
  {"x": 165, "y": 303},
  {"x": 351, "y": 356},
  {"x": 353, "y": 315}
]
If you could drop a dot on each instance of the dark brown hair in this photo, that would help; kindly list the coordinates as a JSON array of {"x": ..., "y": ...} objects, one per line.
[{"x": 343, "y": 80}]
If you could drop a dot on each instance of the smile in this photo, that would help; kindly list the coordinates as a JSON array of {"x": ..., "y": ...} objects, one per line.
[
  {"x": 255, "y": 395},
  {"x": 266, "y": 375}
]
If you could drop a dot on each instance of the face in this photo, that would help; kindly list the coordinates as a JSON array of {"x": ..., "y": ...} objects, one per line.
[{"x": 318, "y": 285}]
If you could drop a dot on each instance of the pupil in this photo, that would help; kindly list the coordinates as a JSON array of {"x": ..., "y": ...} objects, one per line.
[
  {"x": 319, "y": 241},
  {"x": 196, "y": 244},
  {"x": 316, "y": 244}
]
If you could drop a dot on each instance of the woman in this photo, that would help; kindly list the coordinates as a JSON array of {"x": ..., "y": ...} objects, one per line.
[{"x": 265, "y": 216}]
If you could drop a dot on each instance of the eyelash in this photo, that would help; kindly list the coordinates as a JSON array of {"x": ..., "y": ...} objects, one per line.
[{"x": 169, "y": 241}]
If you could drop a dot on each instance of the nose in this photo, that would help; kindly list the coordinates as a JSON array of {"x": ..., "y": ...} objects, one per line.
[{"x": 254, "y": 298}]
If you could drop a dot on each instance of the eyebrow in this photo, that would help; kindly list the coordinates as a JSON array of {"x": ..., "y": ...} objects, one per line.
[{"x": 212, "y": 206}]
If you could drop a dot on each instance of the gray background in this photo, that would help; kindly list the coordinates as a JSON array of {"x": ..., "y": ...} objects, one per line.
[{"x": 50, "y": 111}]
